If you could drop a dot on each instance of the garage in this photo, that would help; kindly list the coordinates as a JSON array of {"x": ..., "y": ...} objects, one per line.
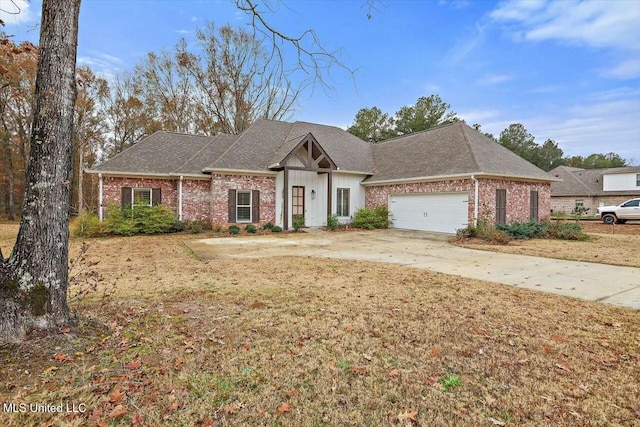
[{"x": 441, "y": 212}]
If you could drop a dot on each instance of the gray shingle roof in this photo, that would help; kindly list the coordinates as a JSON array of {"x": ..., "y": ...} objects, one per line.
[
  {"x": 268, "y": 142},
  {"x": 455, "y": 149},
  {"x": 587, "y": 182}
]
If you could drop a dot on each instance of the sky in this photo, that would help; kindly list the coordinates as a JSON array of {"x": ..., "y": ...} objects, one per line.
[{"x": 568, "y": 70}]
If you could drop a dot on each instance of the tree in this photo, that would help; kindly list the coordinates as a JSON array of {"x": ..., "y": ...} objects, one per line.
[
  {"x": 17, "y": 82},
  {"x": 89, "y": 128},
  {"x": 517, "y": 139},
  {"x": 600, "y": 161},
  {"x": 234, "y": 82},
  {"x": 33, "y": 281},
  {"x": 427, "y": 113},
  {"x": 372, "y": 125},
  {"x": 548, "y": 156}
]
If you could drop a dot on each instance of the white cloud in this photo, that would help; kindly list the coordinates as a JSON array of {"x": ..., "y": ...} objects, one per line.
[
  {"x": 102, "y": 64},
  {"x": 464, "y": 45},
  {"x": 15, "y": 12},
  {"x": 182, "y": 31},
  {"x": 493, "y": 79},
  {"x": 478, "y": 116},
  {"x": 612, "y": 25}
]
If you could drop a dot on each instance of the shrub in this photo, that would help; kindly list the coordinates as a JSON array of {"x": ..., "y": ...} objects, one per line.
[
  {"x": 198, "y": 226},
  {"x": 332, "y": 222},
  {"x": 525, "y": 230},
  {"x": 177, "y": 226},
  {"x": 267, "y": 226},
  {"x": 251, "y": 228},
  {"x": 88, "y": 225},
  {"x": 127, "y": 221},
  {"x": 276, "y": 229},
  {"x": 120, "y": 221},
  {"x": 567, "y": 231},
  {"x": 485, "y": 231},
  {"x": 372, "y": 218},
  {"x": 217, "y": 227},
  {"x": 298, "y": 222},
  {"x": 234, "y": 229}
]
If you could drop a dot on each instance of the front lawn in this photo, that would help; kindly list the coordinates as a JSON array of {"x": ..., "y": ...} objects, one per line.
[{"x": 170, "y": 340}]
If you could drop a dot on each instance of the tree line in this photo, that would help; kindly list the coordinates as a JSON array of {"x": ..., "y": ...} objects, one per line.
[
  {"x": 373, "y": 125},
  {"x": 221, "y": 83}
]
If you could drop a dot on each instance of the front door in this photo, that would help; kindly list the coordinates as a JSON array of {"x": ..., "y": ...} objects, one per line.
[{"x": 297, "y": 201}]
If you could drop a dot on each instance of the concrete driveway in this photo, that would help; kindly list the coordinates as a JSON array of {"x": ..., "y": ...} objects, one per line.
[{"x": 589, "y": 281}]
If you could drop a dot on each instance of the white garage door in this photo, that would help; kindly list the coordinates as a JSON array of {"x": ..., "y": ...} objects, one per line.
[{"x": 442, "y": 212}]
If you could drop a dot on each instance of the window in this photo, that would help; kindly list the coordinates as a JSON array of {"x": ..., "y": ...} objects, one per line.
[
  {"x": 243, "y": 206},
  {"x": 141, "y": 197},
  {"x": 342, "y": 208},
  {"x": 638, "y": 180},
  {"x": 632, "y": 203},
  {"x": 579, "y": 203}
]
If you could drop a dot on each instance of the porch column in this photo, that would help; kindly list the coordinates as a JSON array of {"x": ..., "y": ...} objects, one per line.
[
  {"x": 100, "y": 214},
  {"x": 180, "y": 199},
  {"x": 329, "y": 193},
  {"x": 285, "y": 208}
]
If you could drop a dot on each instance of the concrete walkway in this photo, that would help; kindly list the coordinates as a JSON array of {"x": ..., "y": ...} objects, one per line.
[{"x": 589, "y": 281}]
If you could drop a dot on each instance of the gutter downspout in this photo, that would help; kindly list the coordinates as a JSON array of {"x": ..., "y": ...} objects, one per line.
[
  {"x": 475, "y": 200},
  {"x": 180, "y": 198},
  {"x": 100, "y": 196}
]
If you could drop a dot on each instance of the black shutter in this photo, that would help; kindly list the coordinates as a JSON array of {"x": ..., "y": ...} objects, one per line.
[
  {"x": 156, "y": 196},
  {"x": 255, "y": 206},
  {"x": 126, "y": 197},
  {"x": 232, "y": 205},
  {"x": 533, "y": 205},
  {"x": 501, "y": 206}
]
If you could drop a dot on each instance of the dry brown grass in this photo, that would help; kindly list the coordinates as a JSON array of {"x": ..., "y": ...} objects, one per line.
[
  {"x": 609, "y": 244},
  {"x": 306, "y": 341}
]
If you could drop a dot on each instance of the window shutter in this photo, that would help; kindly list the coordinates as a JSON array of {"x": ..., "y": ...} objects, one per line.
[
  {"x": 533, "y": 205},
  {"x": 255, "y": 206},
  {"x": 126, "y": 197},
  {"x": 501, "y": 206},
  {"x": 156, "y": 196},
  {"x": 232, "y": 205}
]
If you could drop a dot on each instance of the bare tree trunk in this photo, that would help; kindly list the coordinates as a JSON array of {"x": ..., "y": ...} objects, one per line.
[
  {"x": 33, "y": 281},
  {"x": 11, "y": 208},
  {"x": 80, "y": 179}
]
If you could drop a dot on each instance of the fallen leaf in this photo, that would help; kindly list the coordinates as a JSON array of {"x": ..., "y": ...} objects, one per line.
[
  {"x": 50, "y": 369},
  {"x": 176, "y": 405},
  {"x": 562, "y": 366},
  {"x": 117, "y": 412},
  {"x": 178, "y": 362},
  {"x": 246, "y": 346},
  {"x": 435, "y": 351},
  {"x": 559, "y": 338},
  {"x": 285, "y": 407},
  {"x": 118, "y": 378},
  {"x": 230, "y": 409},
  {"x": 59, "y": 357},
  {"x": 137, "y": 419},
  {"x": 116, "y": 396},
  {"x": 497, "y": 422},
  {"x": 408, "y": 416},
  {"x": 394, "y": 373},
  {"x": 134, "y": 364},
  {"x": 65, "y": 330}
]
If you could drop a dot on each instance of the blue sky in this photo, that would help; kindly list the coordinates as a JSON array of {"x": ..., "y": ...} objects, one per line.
[{"x": 568, "y": 70}]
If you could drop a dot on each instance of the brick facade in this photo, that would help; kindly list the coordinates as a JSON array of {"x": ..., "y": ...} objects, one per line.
[
  {"x": 566, "y": 204},
  {"x": 196, "y": 199},
  {"x": 221, "y": 184},
  {"x": 518, "y": 196},
  {"x": 112, "y": 190}
]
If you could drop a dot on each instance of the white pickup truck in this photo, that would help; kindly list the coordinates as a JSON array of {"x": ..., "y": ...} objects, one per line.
[{"x": 621, "y": 213}]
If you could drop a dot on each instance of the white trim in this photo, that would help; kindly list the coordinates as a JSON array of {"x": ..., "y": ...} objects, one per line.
[
  {"x": 476, "y": 193},
  {"x": 244, "y": 206},
  {"x": 238, "y": 172},
  {"x": 100, "y": 215},
  {"x": 133, "y": 196},
  {"x": 458, "y": 176},
  {"x": 180, "y": 199},
  {"x": 348, "y": 201},
  {"x": 150, "y": 175}
]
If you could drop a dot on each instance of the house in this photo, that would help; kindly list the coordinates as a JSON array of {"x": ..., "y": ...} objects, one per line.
[
  {"x": 276, "y": 170},
  {"x": 590, "y": 188}
]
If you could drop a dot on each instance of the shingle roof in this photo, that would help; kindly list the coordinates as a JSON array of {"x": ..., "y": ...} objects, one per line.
[
  {"x": 168, "y": 153},
  {"x": 454, "y": 149},
  {"x": 268, "y": 142},
  {"x": 587, "y": 182}
]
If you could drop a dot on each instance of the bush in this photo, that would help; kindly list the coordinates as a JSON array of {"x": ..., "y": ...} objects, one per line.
[
  {"x": 332, "y": 222},
  {"x": 267, "y": 226},
  {"x": 372, "y": 218},
  {"x": 251, "y": 228},
  {"x": 525, "y": 230},
  {"x": 485, "y": 231},
  {"x": 127, "y": 221},
  {"x": 276, "y": 229},
  {"x": 198, "y": 226},
  {"x": 298, "y": 222},
  {"x": 234, "y": 229},
  {"x": 88, "y": 225},
  {"x": 217, "y": 227},
  {"x": 177, "y": 226},
  {"x": 567, "y": 231}
]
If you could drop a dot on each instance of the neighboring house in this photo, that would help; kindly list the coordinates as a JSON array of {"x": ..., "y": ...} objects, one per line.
[
  {"x": 593, "y": 187},
  {"x": 275, "y": 170}
]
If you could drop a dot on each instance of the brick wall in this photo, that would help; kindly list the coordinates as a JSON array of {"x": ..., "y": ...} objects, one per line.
[
  {"x": 112, "y": 190},
  {"x": 196, "y": 199},
  {"x": 518, "y": 194},
  {"x": 566, "y": 204},
  {"x": 518, "y": 199},
  {"x": 221, "y": 184}
]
